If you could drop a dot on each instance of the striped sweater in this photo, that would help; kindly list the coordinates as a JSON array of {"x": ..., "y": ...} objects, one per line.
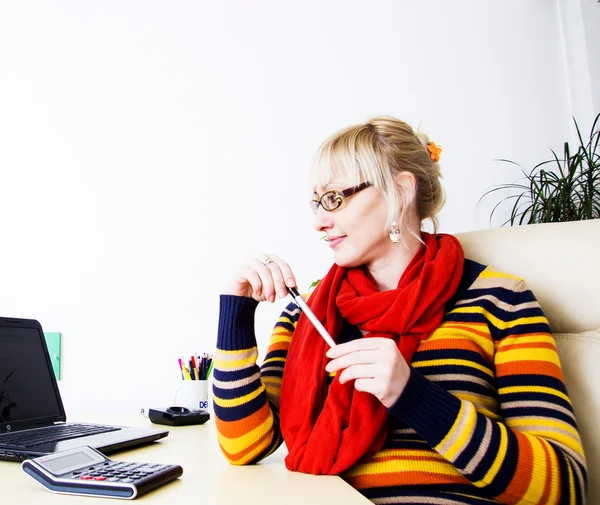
[{"x": 485, "y": 416}]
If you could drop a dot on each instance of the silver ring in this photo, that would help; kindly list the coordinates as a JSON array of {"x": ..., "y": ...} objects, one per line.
[{"x": 267, "y": 261}]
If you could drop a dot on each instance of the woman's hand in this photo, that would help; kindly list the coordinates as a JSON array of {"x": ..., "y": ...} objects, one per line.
[
  {"x": 263, "y": 277},
  {"x": 374, "y": 364}
]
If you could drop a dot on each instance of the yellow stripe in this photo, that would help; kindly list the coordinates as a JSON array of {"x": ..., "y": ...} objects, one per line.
[
  {"x": 238, "y": 444},
  {"x": 440, "y": 446},
  {"x": 221, "y": 351},
  {"x": 527, "y": 354},
  {"x": 538, "y": 421},
  {"x": 533, "y": 389},
  {"x": 236, "y": 402},
  {"x": 447, "y": 332},
  {"x": 571, "y": 485},
  {"x": 270, "y": 379},
  {"x": 233, "y": 364},
  {"x": 477, "y": 400},
  {"x": 441, "y": 467},
  {"x": 275, "y": 358},
  {"x": 558, "y": 437},
  {"x": 286, "y": 319},
  {"x": 544, "y": 338},
  {"x": 463, "y": 362},
  {"x": 495, "y": 468},
  {"x": 555, "y": 477},
  {"x": 490, "y": 273},
  {"x": 461, "y": 440},
  {"x": 407, "y": 454},
  {"x": 277, "y": 337},
  {"x": 537, "y": 484},
  {"x": 499, "y": 323},
  {"x": 252, "y": 454},
  {"x": 273, "y": 387}
]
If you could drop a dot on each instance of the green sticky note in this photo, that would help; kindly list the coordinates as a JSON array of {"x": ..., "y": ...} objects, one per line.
[{"x": 53, "y": 343}]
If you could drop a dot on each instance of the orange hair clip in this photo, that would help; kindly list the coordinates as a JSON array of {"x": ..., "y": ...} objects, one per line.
[{"x": 434, "y": 151}]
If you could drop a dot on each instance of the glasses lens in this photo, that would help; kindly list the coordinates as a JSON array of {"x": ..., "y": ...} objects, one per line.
[
  {"x": 331, "y": 200},
  {"x": 314, "y": 205}
]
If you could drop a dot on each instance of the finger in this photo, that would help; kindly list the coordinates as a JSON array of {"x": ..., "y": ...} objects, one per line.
[
  {"x": 286, "y": 271},
  {"x": 266, "y": 277},
  {"x": 278, "y": 275},
  {"x": 251, "y": 276},
  {"x": 358, "y": 372},
  {"x": 365, "y": 385},
  {"x": 360, "y": 357},
  {"x": 359, "y": 344}
]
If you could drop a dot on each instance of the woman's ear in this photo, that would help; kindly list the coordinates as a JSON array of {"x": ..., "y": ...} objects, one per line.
[{"x": 407, "y": 186}]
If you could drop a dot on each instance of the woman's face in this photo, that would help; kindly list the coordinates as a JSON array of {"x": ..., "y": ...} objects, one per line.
[{"x": 356, "y": 230}]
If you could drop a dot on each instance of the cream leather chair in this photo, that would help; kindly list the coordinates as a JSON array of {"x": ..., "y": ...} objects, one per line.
[{"x": 560, "y": 262}]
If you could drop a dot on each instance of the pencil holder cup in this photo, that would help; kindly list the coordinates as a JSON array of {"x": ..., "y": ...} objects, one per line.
[{"x": 192, "y": 394}]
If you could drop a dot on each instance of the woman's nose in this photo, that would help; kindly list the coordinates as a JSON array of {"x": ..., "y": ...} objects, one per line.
[{"x": 323, "y": 219}]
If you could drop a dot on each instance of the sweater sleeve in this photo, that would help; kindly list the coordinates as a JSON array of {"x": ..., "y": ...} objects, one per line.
[
  {"x": 246, "y": 397},
  {"x": 529, "y": 451}
]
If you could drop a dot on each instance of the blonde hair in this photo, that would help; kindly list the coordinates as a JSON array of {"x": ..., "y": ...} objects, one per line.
[{"x": 379, "y": 151}]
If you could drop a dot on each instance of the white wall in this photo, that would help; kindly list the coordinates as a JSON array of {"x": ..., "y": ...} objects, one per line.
[
  {"x": 591, "y": 20},
  {"x": 579, "y": 22},
  {"x": 148, "y": 147}
]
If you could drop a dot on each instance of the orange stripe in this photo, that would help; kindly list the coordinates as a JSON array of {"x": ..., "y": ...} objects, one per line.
[
  {"x": 403, "y": 478},
  {"x": 522, "y": 477},
  {"x": 278, "y": 346},
  {"x": 529, "y": 367},
  {"x": 378, "y": 459},
  {"x": 233, "y": 429},
  {"x": 262, "y": 441},
  {"x": 468, "y": 327},
  {"x": 548, "y": 483},
  {"x": 464, "y": 344},
  {"x": 528, "y": 345}
]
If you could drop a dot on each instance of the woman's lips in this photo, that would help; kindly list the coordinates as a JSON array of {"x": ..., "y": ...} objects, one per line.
[{"x": 335, "y": 241}]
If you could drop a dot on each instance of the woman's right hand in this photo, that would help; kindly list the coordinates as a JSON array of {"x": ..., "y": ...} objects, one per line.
[{"x": 263, "y": 277}]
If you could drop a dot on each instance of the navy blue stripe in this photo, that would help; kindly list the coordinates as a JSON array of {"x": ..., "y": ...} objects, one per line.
[
  {"x": 238, "y": 392},
  {"x": 234, "y": 375},
  {"x": 241, "y": 411}
]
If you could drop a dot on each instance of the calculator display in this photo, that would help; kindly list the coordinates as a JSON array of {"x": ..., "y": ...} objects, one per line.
[{"x": 69, "y": 462}]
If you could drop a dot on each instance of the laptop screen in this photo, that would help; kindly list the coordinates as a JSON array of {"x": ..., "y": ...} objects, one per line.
[{"x": 27, "y": 389}]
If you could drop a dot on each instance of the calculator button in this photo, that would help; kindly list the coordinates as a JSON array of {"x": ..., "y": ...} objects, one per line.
[
  {"x": 127, "y": 480},
  {"x": 86, "y": 477},
  {"x": 113, "y": 479},
  {"x": 100, "y": 477}
]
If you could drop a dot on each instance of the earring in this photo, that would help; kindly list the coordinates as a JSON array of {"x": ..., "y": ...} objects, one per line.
[{"x": 395, "y": 234}]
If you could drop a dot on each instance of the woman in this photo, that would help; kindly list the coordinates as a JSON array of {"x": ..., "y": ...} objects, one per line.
[{"x": 444, "y": 386}]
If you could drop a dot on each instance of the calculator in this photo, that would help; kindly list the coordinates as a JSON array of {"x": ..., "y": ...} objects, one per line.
[{"x": 85, "y": 471}]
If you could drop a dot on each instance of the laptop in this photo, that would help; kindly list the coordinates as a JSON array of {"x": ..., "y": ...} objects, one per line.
[{"x": 32, "y": 416}]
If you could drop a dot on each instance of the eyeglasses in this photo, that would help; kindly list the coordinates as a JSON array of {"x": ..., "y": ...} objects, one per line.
[{"x": 333, "y": 199}]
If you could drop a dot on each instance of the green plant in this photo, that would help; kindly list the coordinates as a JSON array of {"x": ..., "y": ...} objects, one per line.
[{"x": 569, "y": 192}]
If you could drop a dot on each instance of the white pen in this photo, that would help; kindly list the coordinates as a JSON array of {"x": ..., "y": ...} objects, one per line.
[{"x": 303, "y": 306}]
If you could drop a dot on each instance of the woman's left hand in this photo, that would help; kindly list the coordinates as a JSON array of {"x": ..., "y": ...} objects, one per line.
[{"x": 375, "y": 365}]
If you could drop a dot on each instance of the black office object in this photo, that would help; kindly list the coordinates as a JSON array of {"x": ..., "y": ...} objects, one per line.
[
  {"x": 32, "y": 416},
  {"x": 85, "y": 471},
  {"x": 178, "y": 416}
]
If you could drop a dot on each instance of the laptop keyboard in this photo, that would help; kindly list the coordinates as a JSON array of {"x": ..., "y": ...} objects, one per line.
[{"x": 40, "y": 436}]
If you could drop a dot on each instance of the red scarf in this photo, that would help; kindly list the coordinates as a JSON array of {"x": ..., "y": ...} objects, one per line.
[{"x": 327, "y": 432}]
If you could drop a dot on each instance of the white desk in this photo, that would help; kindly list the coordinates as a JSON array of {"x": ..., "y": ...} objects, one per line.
[{"x": 208, "y": 479}]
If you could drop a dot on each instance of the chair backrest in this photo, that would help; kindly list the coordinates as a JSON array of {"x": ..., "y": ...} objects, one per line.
[{"x": 560, "y": 263}]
